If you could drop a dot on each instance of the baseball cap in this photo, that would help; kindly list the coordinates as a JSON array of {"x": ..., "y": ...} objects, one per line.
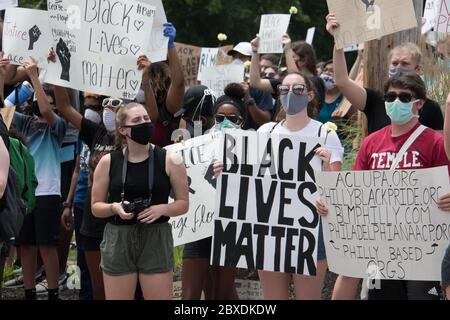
[
  {"x": 244, "y": 48},
  {"x": 197, "y": 99}
]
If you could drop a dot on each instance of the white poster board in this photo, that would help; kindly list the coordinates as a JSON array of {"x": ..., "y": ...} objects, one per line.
[
  {"x": 265, "y": 213},
  {"x": 385, "y": 224},
  {"x": 198, "y": 155},
  {"x": 218, "y": 77},
  {"x": 310, "y": 35},
  {"x": 430, "y": 14},
  {"x": 26, "y": 33},
  {"x": 362, "y": 21},
  {"x": 97, "y": 45},
  {"x": 158, "y": 43},
  {"x": 443, "y": 19},
  {"x": 4, "y": 4},
  {"x": 208, "y": 58},
  {"x": 271, "y": 30}
]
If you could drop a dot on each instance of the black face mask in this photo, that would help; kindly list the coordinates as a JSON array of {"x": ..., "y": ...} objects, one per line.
[
  {"x": 35, "y": 109},
  {"x": 141, "y": 133}
]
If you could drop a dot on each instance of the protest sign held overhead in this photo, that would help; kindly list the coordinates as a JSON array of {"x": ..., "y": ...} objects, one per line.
[
  {"x": 218, "y": 77},
  {"x": 189, "y": 58},
  {"x": 385, "y": 224},
  {"x": 97, "y": 45},
  {"x": 363, "y": 20},
  {"x": 431, "y": 12},
  {"x": 265, "y": 213},
  {"x": 310, "y": 35},
  {"x": 26, "y": 33},
  {"x": 4, "y": 4},
  {"x": 271, "y": 30},
  {"x": 198, "y": 155},
  {"x": 158, "y": 43},
  {"x": 443, "y": 19}
]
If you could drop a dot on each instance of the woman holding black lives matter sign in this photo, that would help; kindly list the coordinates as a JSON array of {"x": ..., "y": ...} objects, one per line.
[
  {"x": 131, "y": 189},
  {"x": 297, "y": 94},
  {"x": 414, "y": 147}
]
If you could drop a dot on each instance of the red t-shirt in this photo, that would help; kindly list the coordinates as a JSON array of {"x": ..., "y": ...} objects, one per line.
[{"x": 379, "y": 150}]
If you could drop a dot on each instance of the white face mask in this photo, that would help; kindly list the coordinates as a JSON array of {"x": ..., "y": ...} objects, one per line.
[
  {"x": 109, "y": 120},
  {"x": 93, "y": 116}
]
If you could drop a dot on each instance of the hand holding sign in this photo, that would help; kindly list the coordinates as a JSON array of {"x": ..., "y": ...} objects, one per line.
[
  {"x": 4, "y": 61},
  {"x": 144, "y": 64},
  {"x": 64, "y": 56},
  {"x": 332, "y": 24},
  {"x": 31, "y": 68},
  {"x": 286, "y": 41},
  {"x": 34, "y": 33},
  {"x": 170, "y": 32}
]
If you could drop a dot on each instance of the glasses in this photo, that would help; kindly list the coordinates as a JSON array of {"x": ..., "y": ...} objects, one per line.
[
  {"x": 297, "y": 89},
  {"x": 404, "y": 97},
  {"x": 115, "y": 103},
  {"x": 232, "y": 117}
]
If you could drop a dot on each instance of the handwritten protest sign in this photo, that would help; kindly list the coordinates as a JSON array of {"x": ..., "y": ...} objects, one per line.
[
  {"x": 364, "y": 20},
  {"x": 443, "y": 20},
  {"x": 158, "y": 43},
  {"x": 4, "y": 4},
  {"x": 265, "y": 213},
  {"x": 385, "y": 224},
  {"x": 189, "y": 58},
  {"x": 218, "y": 77},
  {"x": 26, "y": 33},
  {"x": 97, "y": 45},
  {"x": 199, "y": 156},
  {"x": 310, "y": 35},
  {"x": 208, "y": 58},
  {"x": 271, "y": 30},
  {"x": 430, "y": 14}
]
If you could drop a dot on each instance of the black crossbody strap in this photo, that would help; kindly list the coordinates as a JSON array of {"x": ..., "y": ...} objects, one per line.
[{"x": 151, "y": 169}]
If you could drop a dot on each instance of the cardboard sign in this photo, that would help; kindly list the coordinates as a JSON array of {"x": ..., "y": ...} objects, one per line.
[
  {"x": 189, "y": 58},
  {"x": 443, "y": 20},
  {"x": 271, "y": 30},
  {"x": 98, "y": 43},
  {"x": 218, "y": 77},
  {"x": 364, "y": 20},
  {"x": 26, "y": 33},
  {"x": 158, "y": 43},
  {"x": 310, "y": 35},
  {"x": 265, "y": 213},
  {"x": 8, "y": 115},
  {"x": 199, "y": 157},
  {"x": 4, "y": 4},
  {"x": 385, "y": 224},
  {"x": 355, "y": 47},
  {"x": 432, "y": 9}
]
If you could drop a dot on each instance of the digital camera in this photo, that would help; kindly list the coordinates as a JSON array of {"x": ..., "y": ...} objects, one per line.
[{"x": 136, "y": 206}]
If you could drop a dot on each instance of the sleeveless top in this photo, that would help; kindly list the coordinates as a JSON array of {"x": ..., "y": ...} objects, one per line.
[{"x": 136, "y": 183}]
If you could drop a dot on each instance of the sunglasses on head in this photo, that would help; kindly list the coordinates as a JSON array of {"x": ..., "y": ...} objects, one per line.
[
  {"x": 297, "y": 89},
  {"x": 115, "y": 103},
  {"x": 232, "y": 118},
  {"x": 404, "y": 97}
]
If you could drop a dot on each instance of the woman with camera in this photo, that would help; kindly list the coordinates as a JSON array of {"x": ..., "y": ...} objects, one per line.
[{"x": 131, "y": 188}]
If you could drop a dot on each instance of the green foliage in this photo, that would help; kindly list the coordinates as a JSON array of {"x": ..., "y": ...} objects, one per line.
[{"x": 198, "y": 22}]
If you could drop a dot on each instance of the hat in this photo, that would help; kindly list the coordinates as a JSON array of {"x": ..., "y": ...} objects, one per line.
[
  {"x": 244, "y": 48},
  {"x": 197, "y": 99}
]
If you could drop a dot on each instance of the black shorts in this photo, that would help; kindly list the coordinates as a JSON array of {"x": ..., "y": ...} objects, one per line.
[
  {"x": 91, "y": 244},
  {"x": 200, "y": 249},
  {"x": 41, "y": 227},
  {"x": 406, "y": 290}
]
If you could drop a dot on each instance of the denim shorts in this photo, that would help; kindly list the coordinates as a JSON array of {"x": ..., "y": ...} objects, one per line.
[
  {"x": 139, "y": 248},
  {"x": 321, "y": 253}
]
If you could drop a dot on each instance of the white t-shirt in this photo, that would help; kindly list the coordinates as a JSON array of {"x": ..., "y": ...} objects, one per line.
[{"x": 311, "y": 130}]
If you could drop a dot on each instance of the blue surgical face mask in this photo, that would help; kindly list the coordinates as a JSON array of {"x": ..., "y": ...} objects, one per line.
[
  {"x": 294, "y": 104},
  {"x": 400, "y": 112},
  {"x": 393, "y": 72}
]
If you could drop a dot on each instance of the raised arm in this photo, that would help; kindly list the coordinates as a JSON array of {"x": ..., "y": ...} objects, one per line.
[
  {"x": 175, "y": 94},
  {"x": 44, "y": 106},
  {"x": 289, "y": 54},
  {"x": 354, "y": 93},
  {"x": 15, "y": 74},
  {"x": 150, "y": 100},
  {"x": 255, "y": 72}
]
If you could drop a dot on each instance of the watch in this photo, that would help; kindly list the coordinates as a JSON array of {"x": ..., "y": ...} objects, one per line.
[{"x": 66, "y": 205}]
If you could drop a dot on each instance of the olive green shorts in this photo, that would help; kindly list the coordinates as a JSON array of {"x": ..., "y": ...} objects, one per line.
[{"x": 144, "y": 249}]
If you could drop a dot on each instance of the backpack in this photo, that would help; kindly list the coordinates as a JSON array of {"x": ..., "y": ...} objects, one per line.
[
  {"x": 23, "y": 163},
  {"x": 13, "y": 213}
]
